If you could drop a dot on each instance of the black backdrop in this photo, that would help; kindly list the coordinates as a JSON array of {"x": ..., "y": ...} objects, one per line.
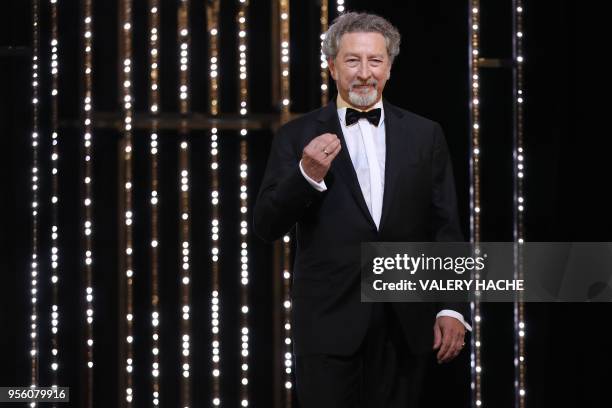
[{"x": 567, "y": 179}]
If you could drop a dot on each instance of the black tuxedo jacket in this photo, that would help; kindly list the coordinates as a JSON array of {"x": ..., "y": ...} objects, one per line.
[{"x": 419, "y": 204}]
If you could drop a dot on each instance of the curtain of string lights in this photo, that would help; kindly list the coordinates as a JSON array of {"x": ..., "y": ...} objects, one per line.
[
  {"x": 128, "y": 310},
  {"x": 518, "y": 195},
  {"x": 127, "y": 224}
]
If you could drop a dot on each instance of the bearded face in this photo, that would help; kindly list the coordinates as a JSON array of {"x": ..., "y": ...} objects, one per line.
[{"x": 361, "y": 68}]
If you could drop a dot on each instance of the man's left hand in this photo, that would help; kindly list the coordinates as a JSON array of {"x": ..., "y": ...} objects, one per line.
[{"x": 448, "y": 338}]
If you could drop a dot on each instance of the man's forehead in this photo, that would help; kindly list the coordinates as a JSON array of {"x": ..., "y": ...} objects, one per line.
[
  {"x": 371, "y": 35},
  {"x": 371, "y": 40}
]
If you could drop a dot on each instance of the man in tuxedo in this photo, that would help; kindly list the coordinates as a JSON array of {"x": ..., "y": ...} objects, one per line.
[{"x": 360, "y": 170}]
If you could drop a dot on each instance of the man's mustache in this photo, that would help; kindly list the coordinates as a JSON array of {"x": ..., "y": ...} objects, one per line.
[{"x": 369, "y": 83}]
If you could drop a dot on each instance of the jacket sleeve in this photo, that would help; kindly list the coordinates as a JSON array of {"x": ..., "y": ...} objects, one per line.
[
  {"x": 285, "y": 193},
  {"x": 444, "y": 197},
  {"x": 445, "y": 223}
]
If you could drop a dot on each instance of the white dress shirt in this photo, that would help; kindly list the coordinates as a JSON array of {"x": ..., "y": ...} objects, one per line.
[{"x": 366, "y": 143}]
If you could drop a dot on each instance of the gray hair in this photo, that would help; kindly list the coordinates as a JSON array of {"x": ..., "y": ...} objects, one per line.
[{"x": 360, "y": 23}]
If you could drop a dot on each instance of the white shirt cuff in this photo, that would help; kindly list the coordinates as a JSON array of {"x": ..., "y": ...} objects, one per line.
[
  {"x": 456, "y": 315},
  {"x": 319, "y": 186}
]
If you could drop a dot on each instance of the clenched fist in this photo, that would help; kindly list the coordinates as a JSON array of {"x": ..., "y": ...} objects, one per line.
[{"x": 318, "y": 155}]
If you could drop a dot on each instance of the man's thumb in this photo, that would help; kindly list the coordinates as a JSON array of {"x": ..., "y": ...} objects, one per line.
[{"x": 437, "y": 336}]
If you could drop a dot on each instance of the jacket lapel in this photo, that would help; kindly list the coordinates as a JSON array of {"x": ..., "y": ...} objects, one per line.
[
  {"x": 342, "y": 164},
  {"x": 396, "y": 141}
]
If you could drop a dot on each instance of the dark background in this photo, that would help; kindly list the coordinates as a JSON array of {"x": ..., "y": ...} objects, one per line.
[{"x": 567, "y": 182}]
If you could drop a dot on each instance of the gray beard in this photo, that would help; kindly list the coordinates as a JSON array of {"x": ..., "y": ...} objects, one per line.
[{"x": 363, "y": 100}]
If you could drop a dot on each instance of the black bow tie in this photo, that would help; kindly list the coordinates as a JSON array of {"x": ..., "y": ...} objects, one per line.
[{"x": 352, "y": 116}]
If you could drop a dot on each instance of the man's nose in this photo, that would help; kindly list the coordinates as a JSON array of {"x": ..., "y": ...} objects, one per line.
[{"x": 364, "y": 72}]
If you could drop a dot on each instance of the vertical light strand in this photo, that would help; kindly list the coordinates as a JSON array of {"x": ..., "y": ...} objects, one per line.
[
  {"x": 285, "y": 111},
  {"x": 324, "y": 21},
  {"x": 34, "y": 255},
  {"x": 474, "y": 44},
  {"x": 183, "y": 39},
  {"x": 54, "y": 191},
  {"x": 284, "y": 42},
  {"x": 244, "y": 218},
  {"x": 340, "y": 6},
  {"x": 87, "y": 200},
  {"x": 54, "y": 194},
  {"x": 127, "y": 232},
  {"x": 154, "y": 100},
  {"x": 519, "y": 202},
  {"x": 212, "y": 26},
  {"x": 287, "y": 349}
]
